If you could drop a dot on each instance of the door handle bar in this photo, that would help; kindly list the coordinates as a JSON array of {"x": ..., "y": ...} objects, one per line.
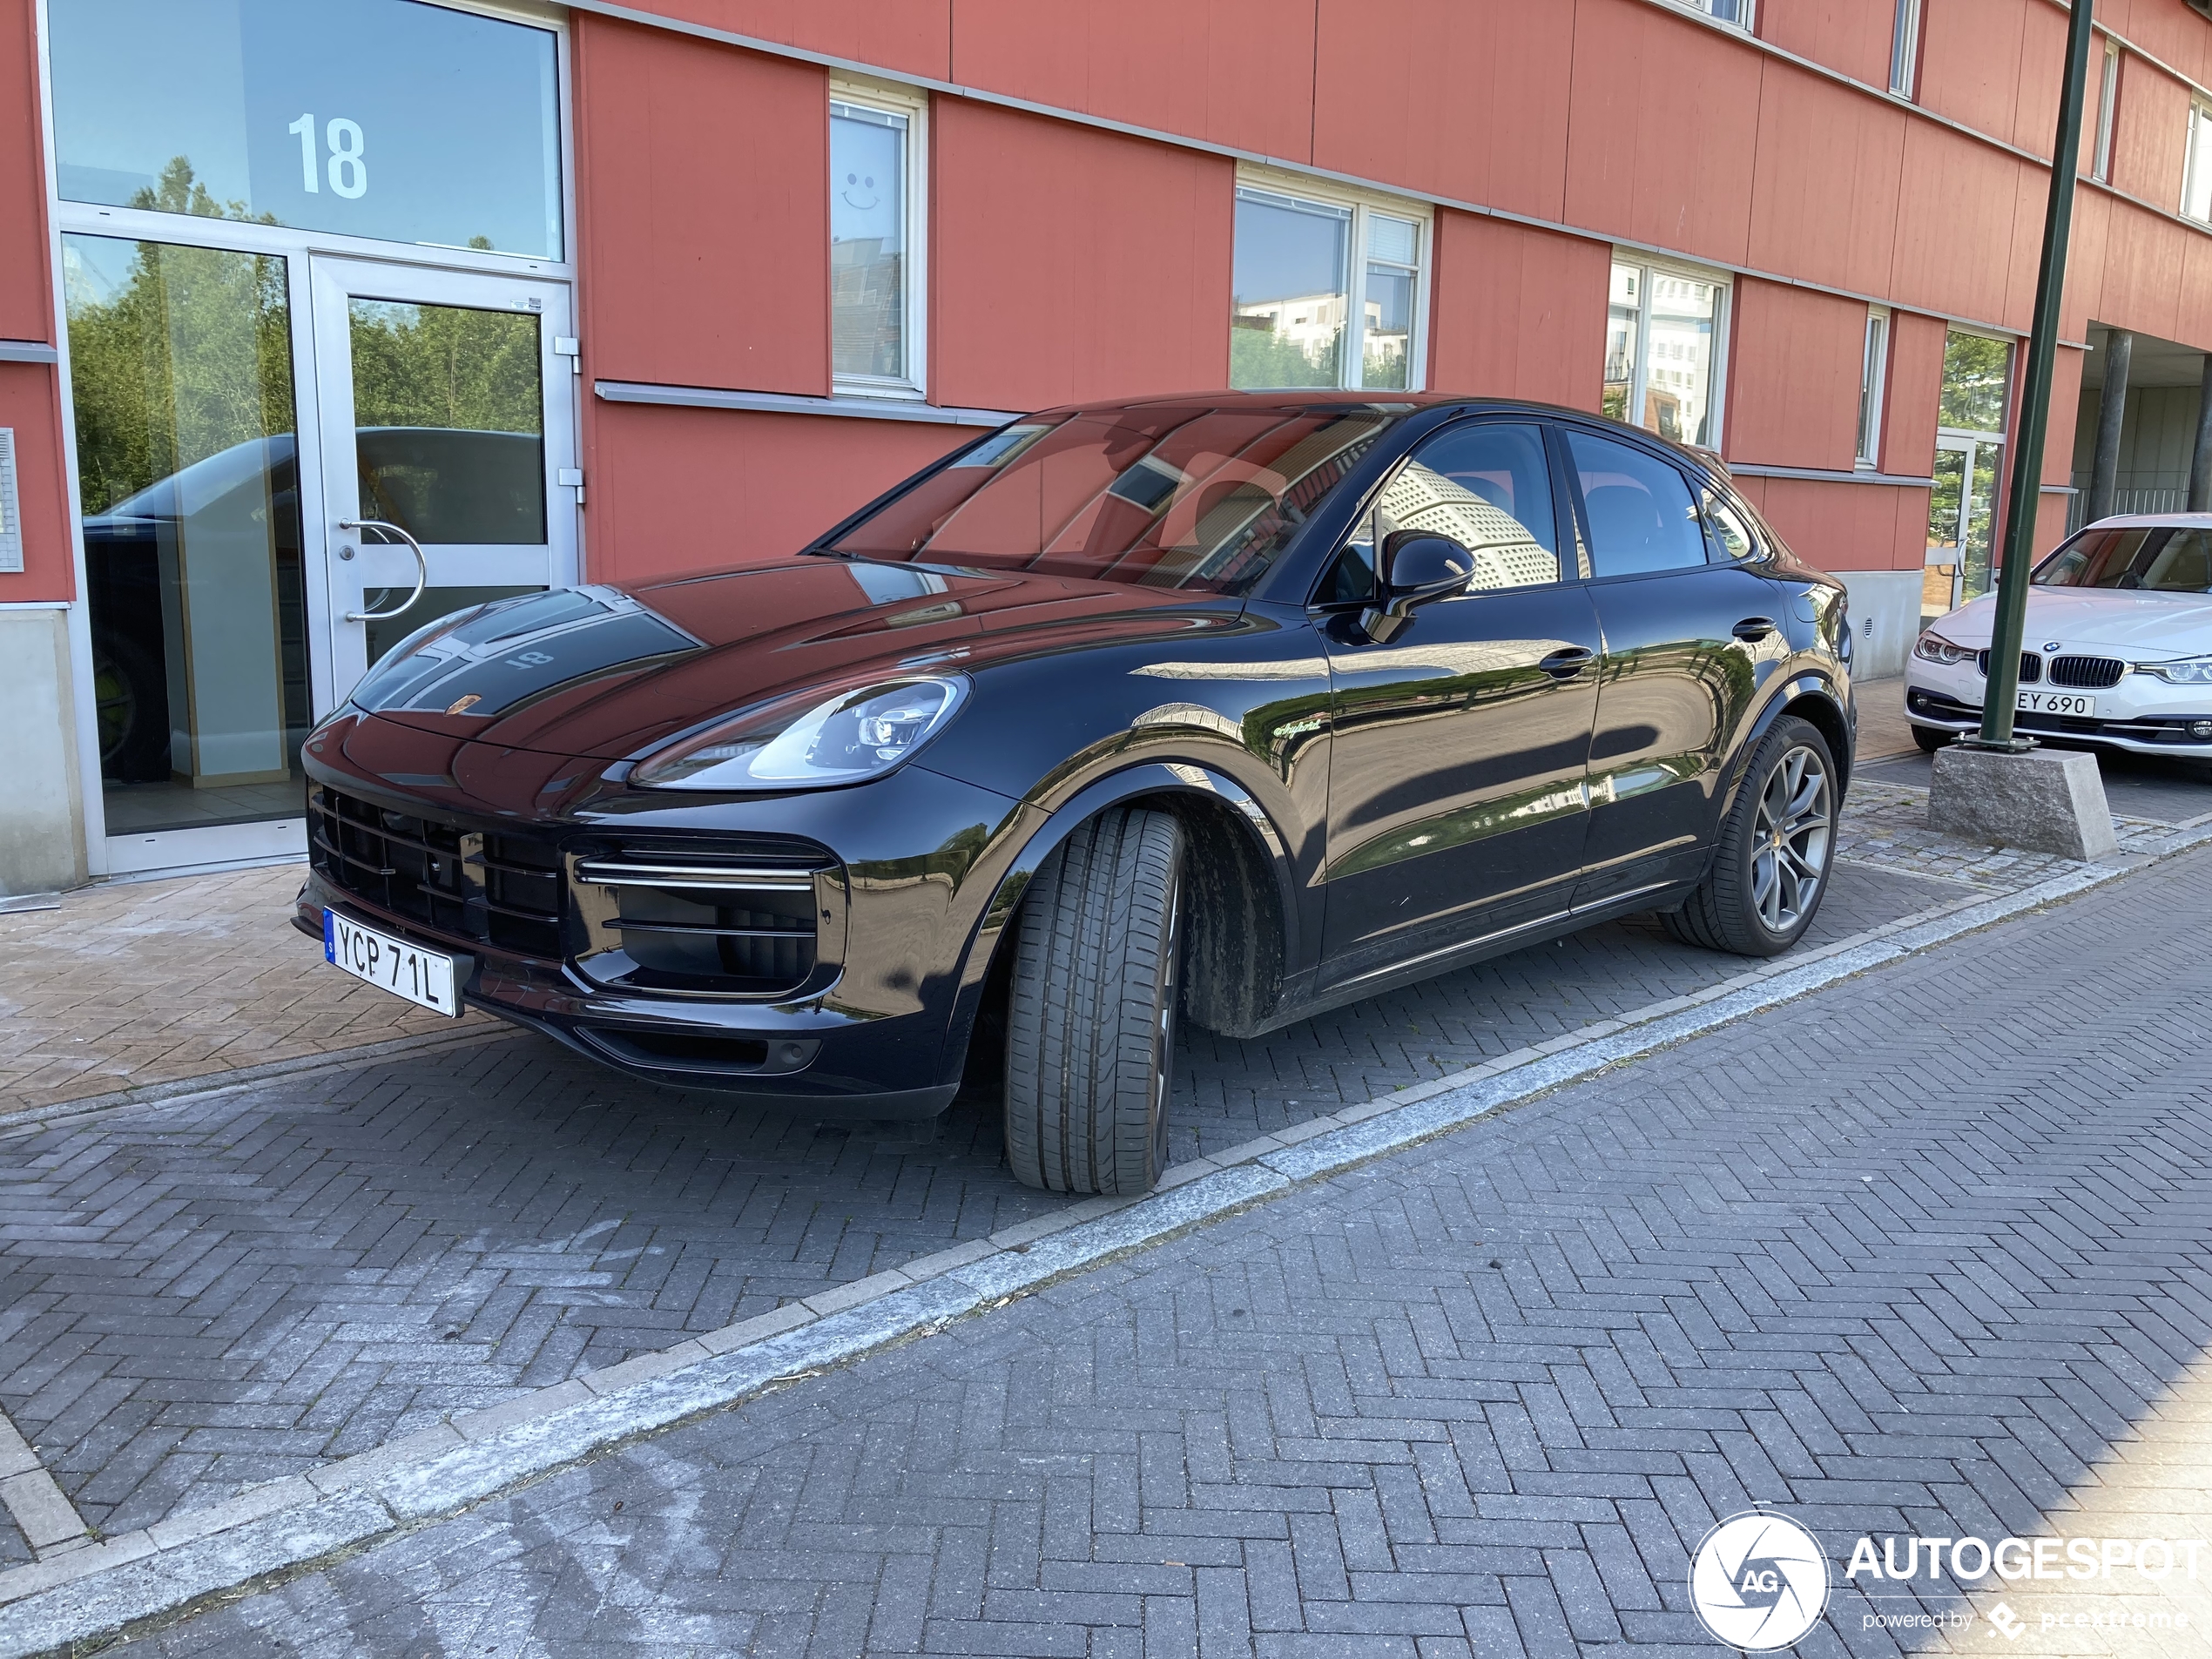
[
  {"x": 421, "y": 569},
  {"x": 1752, "y": 630},
  {"x": 1565, "y": 665}
]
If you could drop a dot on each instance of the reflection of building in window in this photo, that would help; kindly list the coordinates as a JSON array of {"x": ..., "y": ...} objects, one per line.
[
  {"x": 1506, "y": 555},
  {"x": 1312, "y": 323},
  {"x": 1659, "y": 351}
]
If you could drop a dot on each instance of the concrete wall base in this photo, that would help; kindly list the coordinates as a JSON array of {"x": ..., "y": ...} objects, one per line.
[
  {"x": 1885, "y": 619},
  {"x": 2043, "y": 801},
  {"x": 42, "y": 811}
]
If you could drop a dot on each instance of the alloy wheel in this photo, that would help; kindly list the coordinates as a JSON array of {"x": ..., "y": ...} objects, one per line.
[{"x": 1792, "y": 836}]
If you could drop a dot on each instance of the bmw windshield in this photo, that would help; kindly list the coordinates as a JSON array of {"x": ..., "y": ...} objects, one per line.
[{"x": 1182, "y": 495}]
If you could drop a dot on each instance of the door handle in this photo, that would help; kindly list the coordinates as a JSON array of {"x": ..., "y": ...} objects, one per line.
[
  {"x": 1565, "y": 665},
  {"x": 1752, "y": 630},
  {"x": 421, "y": 569}
]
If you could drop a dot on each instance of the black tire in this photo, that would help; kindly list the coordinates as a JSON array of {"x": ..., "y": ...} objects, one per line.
[
  {"x": 1931, "y": 737},
  {"x": 131, "y": 695},
  {"x": 1091, "y": 1008},
  {"x": 1765, "y": 888}
]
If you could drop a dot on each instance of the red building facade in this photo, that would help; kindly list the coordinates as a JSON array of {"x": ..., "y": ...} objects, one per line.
[{"x": 631, "y": 251}]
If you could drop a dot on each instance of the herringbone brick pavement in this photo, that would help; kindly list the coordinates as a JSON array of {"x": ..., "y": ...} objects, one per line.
[
  {"x": 148, "y": 982},
  {"x": 1912, "y": 1254},
  {"x": 201, "y": 1295}
]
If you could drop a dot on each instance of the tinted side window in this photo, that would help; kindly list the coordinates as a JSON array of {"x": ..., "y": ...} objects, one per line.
[
  {"x": 1640, "y": 515},
  {"x": 1487, "y": 486},
  {"x": 1728, "y": 535}
]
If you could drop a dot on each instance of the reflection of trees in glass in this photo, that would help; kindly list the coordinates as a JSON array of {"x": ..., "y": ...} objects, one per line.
[
  {"x": 1975, "y": 371},
  {"x": 188, "y": 354},
  {"x": 1981, "y": 520},
  {"x": 1260, "y": 356},
  {"x": 445, "y": 365},
  {"x": 1942, "y": 502}
]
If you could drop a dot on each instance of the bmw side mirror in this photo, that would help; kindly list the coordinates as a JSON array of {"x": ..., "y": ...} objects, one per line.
[{"x": 1417, "y": 566}]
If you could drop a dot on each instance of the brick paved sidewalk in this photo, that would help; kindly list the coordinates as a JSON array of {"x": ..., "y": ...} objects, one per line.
[
  {"x": 156, "y": 981},
  {"x": 1479, "y": 1397}
]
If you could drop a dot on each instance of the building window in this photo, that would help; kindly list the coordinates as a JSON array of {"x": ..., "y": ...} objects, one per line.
[
  {"x": 1904, "y": 47},
  {"x": 1326, "y": 293},
  {"x": 1662, "y": 348},
  {"x": 875, "y": 221},
  {"x": 1873, "y": 371},
  {"x": 2107, "y": 104},
  {"x": 2196, "y": 179},
  {"x": 1736, "y": 11}
]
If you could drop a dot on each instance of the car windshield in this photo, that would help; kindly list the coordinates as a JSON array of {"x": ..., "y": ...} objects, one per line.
[
  {"x": 2156, "y": 558},
  {"x": 1191, "y": 495}
]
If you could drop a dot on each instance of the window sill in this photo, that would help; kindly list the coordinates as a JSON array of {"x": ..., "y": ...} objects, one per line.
[{"x": 844, "y": 405}]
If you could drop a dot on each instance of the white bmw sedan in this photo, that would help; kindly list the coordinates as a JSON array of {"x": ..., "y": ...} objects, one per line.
[{"x": 2117, "y": 652}]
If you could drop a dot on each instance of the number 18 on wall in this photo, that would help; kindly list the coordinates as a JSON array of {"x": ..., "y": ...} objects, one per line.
[{"x": 348, "y": 167}]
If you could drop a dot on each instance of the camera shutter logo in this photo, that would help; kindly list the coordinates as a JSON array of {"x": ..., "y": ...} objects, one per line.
[{"x": 1759, "y": 1582}]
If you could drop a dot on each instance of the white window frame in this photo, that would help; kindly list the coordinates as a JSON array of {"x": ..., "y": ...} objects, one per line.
[
  {"x": 1723, "y": 319},
  {"x": 911, "y": 104},
  {"x": 1745, "y": 11},
  {"x": 2108, "y": 110},
  {"x": 1874, "y": 374},
  {"x": 1352, "y": 361},
  {"x": 1905, "y": 48},
  {"x": 2196, "y": 170}
]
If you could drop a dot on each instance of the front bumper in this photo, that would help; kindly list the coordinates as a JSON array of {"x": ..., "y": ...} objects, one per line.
[
  {"x": 2141, "y": 714},
  {"x": 862, "y": 1030}
]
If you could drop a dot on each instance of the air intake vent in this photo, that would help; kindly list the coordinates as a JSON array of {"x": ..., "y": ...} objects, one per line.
[
  {"x": 2031, "y": 667},
  {"x": 724, "y": 919},
  {"x": 500, "y": 890},
  {"x": 2087, "y": 673}
]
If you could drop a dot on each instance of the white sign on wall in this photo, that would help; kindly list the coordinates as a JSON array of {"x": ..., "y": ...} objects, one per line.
[{"x": 10, "y": 523}]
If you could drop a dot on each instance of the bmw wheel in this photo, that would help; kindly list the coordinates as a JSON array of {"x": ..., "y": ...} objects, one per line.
[
  {"x": 1091, "y": 1009},
  {"x": 1777, "y": 844}
]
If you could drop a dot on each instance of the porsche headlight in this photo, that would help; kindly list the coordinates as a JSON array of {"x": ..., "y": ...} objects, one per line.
[
  {"x": 810, "y": 741},
  {"x": 1933, "y": 647},
  {"x": 2190, "y": 671}
]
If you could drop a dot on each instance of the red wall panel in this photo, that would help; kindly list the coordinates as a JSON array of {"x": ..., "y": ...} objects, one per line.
[
  {"x": 1914, "y": 398},
  {"x": 2167, "y": 29},
  {"x": 2142, "y": 277},
  {"x": 1794, "y": 368},
  {"x": 1955, "y": 223},
  {"x": 2066, "y": 365},
  {"x": 1465, "y": 98},
  {"x": 1824, "y": 192},
  {"x": 677, "y": 489},
  {"x": 25, "y": 311},
  {"x": 2042, "y": 72},
  {"x": 1071, "y": 263},
  {"x": 1970, "y": 62},
  {"x": 1665, "y": 129},
  {"x": 1518, "y": 312},
  {"x": 1843, "y": 527},
  {"x": 914, "y": 35},
  {"x": 703, "y": 209},
  {"x": 1845, "y": 34},
  {"x": 1231, "y": 71},
  {"x": 2150, "y": 134},
  {"x": 31, "y": 402}
]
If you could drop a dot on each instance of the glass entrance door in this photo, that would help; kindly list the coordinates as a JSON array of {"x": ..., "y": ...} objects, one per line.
[
  {"x": 181, "y": 369},
  {"x": 1962, "y": 516},
  {"x": 447, "y": 448}
]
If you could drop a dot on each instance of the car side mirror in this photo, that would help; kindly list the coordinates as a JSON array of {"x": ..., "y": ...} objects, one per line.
[{"x": 1417, "y": 566}]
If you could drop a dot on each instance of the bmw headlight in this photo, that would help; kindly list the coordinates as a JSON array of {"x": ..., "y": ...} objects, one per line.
[
  {"x": 2190, "y": 671},
  {"x": 810, "y": 741},
  {"x": 1933, "y": 647}
]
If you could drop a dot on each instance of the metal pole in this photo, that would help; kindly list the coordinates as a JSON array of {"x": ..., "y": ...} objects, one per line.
[{"x": 2002, "y": 690}]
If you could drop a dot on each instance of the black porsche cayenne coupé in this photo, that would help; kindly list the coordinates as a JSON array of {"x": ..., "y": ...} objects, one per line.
[{"x": 1231, "y": 706}]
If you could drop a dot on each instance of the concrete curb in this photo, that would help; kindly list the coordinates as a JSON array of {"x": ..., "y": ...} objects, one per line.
[{"x": 286, "y": 1527}]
